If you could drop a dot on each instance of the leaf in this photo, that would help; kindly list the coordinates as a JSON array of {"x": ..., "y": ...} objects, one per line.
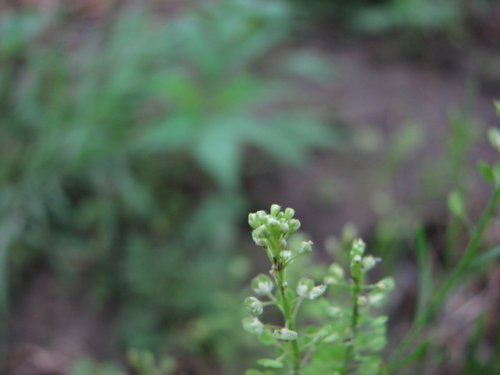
[
  {"x": 309, "y": 66},
  {"x": 456, "y": 204},
  {"x": 271, "y": 363},
  {"x": 497, "y": 106},
  {"x": 218, "y": 151},
  {"x": 486, "y": 171},
  {"x": 487, "y": 257},
  {"x": 285, "y": 334},
  {"x": 425, "y": 276},
  {"x": 494, "y": 138}
]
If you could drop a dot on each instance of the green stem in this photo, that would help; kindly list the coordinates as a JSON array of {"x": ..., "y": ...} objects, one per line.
[
  {"x": 451, "y": 281},
  {"x": 289, "y": 320},
  {"x": 356, "y": 290}
]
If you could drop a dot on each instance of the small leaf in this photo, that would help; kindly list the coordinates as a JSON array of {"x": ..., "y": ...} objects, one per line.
[
  {"x": 494, "y": 137},
  {"x": 285, "y": 334},
  {"x": 456, "y": 204},
  {"x": 271, "y": 363},
  {"x": 486, "y": 171}
]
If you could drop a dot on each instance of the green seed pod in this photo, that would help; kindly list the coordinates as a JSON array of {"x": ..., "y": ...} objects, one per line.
[{"x": 254, "y": 306}]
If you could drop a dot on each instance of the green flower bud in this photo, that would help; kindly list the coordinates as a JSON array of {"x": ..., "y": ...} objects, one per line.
[
  {"x": 253, "y": 221},
  {"x": 259, "y": 234},
  {"x": 336, "y": 271},
  {"x": 305, "y": 247},
  {"x": 262, "y": 285},
  {"x": 284, "y": 227},
  {"x": 294, "y": 225},
  {"x": 358, "y": 248},
  {"x": 369, "y": 262},
  {"x": 261, "y": 215},
  {"x": 273, "y": 224},
  {"x": 286, "y": 255},
  {"x": 254, "y": 306},
  {"x": 253, "y": 325},
  {"x": 386, "y": 284},
  {"x": 304, "y": 286},
  {"x": 285, "y": 334},
  {"x": 289, "y": 213},
  {"x": 275, "y": 209}
]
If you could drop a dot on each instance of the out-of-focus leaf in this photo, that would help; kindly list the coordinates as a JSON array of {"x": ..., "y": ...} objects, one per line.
[{"x": 309, "y": 66}]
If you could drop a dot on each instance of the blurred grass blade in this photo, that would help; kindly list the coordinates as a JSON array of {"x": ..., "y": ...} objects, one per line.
[{"x": 425, "y": 274}]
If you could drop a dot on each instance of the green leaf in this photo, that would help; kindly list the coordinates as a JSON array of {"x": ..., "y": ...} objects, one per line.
[
  {"x": 256, "y": 372},
  {"x": 309, "y": 66},
  {"x": 425, "y": 275},
  {"x": 486, "y": 171},
  {"x": 494, "y": 138},
  {"x": 456, "y": 204},
  {"x": 219, "y": 151},
  {"x": 271, "y": 363},
  {"x": 497, "y": 106}
]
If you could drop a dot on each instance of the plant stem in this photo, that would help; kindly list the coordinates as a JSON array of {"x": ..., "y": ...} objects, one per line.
[
  {"x": 289, "y": 320},
  {"x": 451, "y": 281},
  {"x": 356, "y": 290}
]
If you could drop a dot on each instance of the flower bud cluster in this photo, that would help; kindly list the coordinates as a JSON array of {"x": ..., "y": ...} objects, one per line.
[{"x": 270, "y": 230}]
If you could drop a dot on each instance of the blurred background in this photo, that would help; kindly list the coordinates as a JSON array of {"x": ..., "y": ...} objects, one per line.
[{"x": 135, "y": 136}]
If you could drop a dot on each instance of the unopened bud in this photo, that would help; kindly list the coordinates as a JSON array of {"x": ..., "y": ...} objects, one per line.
[
  {"x": 253, "y": 325},
  {"x": 304, "y": 286},
  {"x": 305, "y": 247},
  {"x": 262, "y": 285},
  {"x": 294, "y": 225},
  {"x": 289, "y": 213},
  {"x": 275, "y": 209},
  {"x": 254, "y": 306}
]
